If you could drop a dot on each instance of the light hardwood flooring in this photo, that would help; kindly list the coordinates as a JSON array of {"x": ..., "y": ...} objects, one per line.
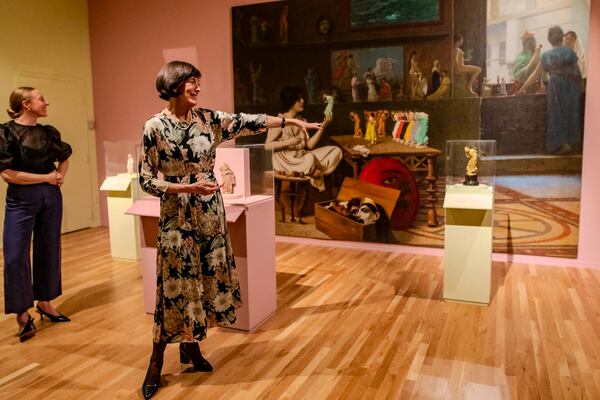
[{"x": 350, "y": 325}]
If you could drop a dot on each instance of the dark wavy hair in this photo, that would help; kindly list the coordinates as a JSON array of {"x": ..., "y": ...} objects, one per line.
[
  {"x": 555, "y": 35},
  {"x": 289, "y": 95},
  {"x": 172, "y": 76}
]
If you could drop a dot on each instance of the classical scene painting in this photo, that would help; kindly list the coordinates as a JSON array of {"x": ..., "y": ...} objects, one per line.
[
  {"x": 358, "y": 73},
  {"x": 393, "y": 83}
]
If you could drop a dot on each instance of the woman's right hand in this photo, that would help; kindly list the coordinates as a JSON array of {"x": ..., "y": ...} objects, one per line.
[
  {"x": 202, "y": 187},
  {"x": 54, "y": 178}
]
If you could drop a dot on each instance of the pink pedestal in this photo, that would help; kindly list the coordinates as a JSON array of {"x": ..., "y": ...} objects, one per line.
[{"x": 251, "y": 226}]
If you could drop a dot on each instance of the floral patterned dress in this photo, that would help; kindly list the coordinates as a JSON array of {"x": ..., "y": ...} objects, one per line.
[{"x": 197, "y": 285}]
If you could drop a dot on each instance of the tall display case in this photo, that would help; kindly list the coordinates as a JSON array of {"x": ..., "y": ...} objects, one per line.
[
  {"x": 251, "y": 224},
  {"x": 121, "y": 191},
  {"x": 469, "y": 204}
]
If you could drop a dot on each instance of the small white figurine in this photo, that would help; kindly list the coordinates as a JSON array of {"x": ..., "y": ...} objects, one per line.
[{"x": 129, "y": 164}]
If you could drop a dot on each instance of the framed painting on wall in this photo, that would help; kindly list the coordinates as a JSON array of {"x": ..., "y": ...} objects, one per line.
[
  {"x": 368, "y": 74},
  {"x": 374, "y": 13}
]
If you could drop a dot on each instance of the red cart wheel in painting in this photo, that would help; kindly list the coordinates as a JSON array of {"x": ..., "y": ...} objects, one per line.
[{"x": 392, "y": 173}]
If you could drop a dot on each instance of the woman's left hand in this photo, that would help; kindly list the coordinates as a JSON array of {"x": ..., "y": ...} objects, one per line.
[{"x": 311, "y": 125}]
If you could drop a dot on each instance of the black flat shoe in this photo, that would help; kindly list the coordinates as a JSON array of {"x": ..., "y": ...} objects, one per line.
[
  {"x": 54, "y": 318},
  {"x": 190, "y": 353},
  {"x": 27, "y": 331}
]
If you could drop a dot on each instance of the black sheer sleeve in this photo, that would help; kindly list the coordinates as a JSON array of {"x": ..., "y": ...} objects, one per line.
[
  {"x": 6, "y": 145},
  {"x": 60, "y": 150}
]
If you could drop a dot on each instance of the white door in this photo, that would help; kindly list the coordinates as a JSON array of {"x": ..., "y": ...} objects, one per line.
[{"x": 67, "y": 113}]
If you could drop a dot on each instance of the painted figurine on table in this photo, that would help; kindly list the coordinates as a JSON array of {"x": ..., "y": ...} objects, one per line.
[
  {"x": 382, "y": 115},
  {"x": 472, "y": 154},
  {"x": 356, "y": 118},
  {"x": 421, "y": 138},
  {"x": 410, "y": 116},
  {"x": 328, "y": 98},
  {"x": 397, "y": 116},
  {"x": 228, "y": 179},
  {"x": 370, "y": 135}
]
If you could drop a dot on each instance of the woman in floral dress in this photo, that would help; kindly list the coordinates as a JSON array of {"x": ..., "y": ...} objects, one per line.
[{"x": 197, "y": 284}]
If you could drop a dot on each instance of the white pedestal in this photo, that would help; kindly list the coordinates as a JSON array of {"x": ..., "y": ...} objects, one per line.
[
  {"x": 251, "y": 224},
  {"x": 468, "y": 243},
  {"x": 123, "y": 229}
]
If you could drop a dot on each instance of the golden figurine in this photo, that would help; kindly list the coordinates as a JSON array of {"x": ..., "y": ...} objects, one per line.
[
  {"x": 472, "y": 154},
  {"x": 356, "y": 118}
]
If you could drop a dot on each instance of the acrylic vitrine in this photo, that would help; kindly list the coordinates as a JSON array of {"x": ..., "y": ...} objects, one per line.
[
  {"x": 245, "y": 172},
  {"x": 120, "y": 186},
  {"x": 469, "y": 206}
]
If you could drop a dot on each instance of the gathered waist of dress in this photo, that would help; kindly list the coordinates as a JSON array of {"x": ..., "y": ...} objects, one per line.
[{"x": 191, "y": 178}]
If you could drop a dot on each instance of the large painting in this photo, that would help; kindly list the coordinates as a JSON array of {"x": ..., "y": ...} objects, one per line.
[{"x": 435, "y": 71}]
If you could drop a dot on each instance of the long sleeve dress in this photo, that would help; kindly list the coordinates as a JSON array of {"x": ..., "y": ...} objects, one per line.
[
  {"x": 563, "y": 96},
  {"x": 197, "y": 285}
]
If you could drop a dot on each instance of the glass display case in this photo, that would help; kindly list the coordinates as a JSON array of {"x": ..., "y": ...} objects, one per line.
[
  {"x": 469, "y": 222},
  {"x": 121, "y": 191},
  {"x": 120, "y": 158},
  {"x": 245, "y": 172},
  {"x": 470, "y": 164}
]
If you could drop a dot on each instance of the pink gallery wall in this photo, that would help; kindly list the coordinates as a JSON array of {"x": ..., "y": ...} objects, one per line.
[{"x": 128, "y": 38}]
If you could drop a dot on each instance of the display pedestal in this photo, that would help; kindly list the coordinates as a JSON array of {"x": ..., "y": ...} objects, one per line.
[
  {"x": 251, "y": 225},
  {"x": 468, "y": 243},
  {"x": 123, "y": 229}
]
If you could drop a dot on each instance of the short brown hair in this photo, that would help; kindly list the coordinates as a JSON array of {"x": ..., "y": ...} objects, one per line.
[
  {"x": 15, "y": 101},
  {"x": 171, "y": 77}
]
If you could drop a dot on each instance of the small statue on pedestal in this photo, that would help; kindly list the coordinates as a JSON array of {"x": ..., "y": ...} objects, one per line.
[{"x": 472, "y": 154}]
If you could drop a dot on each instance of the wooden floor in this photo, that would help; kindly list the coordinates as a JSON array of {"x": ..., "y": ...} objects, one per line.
[{"x": 350, "y": 325}]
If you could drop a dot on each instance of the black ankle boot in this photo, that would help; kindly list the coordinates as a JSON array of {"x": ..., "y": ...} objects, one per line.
[
  {"x": 190, "y": 352},
  {"x": 152, "y": 380}
]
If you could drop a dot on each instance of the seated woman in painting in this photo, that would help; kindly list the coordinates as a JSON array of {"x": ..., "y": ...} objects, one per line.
[
  {"x": 294, "y": 151},
  {"x": 469, "y": 72}
]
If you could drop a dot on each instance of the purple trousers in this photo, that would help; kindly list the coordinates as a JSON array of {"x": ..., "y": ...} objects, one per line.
[{"x": 31, "y": 210}]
